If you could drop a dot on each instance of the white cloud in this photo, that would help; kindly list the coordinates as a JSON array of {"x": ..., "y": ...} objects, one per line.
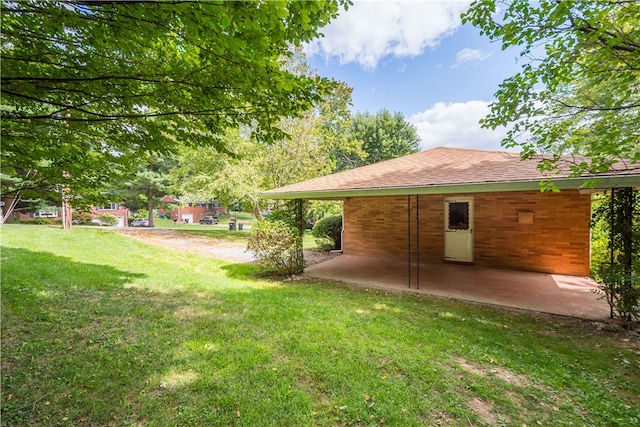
[
  {"x": 470, "y": 55},
  {"x": 372, "y": 30},
  {"x": 456, "y": 125}
]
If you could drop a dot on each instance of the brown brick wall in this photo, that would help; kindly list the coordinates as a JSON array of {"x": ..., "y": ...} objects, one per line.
[{"x": 556, "y": 242}]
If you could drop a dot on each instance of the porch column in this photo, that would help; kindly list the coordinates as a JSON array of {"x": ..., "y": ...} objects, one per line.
[
  {"x": 300, "y": 224},
  {"x": 409, "y": 238},
  {"x": 417, "y": 240}
]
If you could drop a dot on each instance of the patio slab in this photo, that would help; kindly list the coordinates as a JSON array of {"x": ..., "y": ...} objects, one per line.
[{"x": 548, "y": 293}]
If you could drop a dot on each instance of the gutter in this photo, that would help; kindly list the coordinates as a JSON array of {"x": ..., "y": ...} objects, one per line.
[{"x": 561, "y": 184}]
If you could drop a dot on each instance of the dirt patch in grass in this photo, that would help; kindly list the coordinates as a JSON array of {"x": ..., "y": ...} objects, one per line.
[
  {"x": 494, "y": 372},
  {"x": 186, "y": 313},
  {"x": 483, "y": 409},
  {"x": 176, "y": 240}
]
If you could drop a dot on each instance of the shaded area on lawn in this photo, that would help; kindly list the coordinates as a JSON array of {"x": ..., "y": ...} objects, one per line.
[
  {"x": 189, "y": 341},
  {"x": 41, "y": 278}
]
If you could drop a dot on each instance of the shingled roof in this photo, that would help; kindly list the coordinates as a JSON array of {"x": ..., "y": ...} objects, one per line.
[{"x": 447, "y": 170}]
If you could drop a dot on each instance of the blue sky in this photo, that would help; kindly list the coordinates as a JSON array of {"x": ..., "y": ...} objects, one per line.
[{"x": 416, "y": 57}]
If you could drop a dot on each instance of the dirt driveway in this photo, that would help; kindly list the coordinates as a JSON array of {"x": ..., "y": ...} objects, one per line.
[{"x": 205, "y": 246}]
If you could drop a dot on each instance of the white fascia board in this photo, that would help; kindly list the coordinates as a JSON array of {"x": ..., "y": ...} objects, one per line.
[{"x": 561, "y": 184}]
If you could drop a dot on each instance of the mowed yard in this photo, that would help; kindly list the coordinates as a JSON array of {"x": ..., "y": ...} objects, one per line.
[{"x": 99, "y": 329}]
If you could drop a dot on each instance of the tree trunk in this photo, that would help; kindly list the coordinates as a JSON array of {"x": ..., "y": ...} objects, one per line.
[
  {"x": 9, "y": 203},
  {"x": 150, "y": 205}
]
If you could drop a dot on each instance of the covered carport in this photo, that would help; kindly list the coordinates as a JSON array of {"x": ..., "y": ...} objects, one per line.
[
  {"x": 547, "y": 293},
  {"x": 469, "y": 224}
]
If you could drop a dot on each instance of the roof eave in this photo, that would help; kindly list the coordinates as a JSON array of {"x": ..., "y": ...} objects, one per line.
[{"x": 489, "y": 187}]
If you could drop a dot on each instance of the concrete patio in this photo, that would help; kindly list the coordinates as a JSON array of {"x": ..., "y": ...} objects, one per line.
[{"x": 548, "y": 293}]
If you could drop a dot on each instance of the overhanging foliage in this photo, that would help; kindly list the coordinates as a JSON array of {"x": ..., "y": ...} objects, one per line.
[
  {"x": 579, "y": 88},
  {"x": 89, "y": 88}
]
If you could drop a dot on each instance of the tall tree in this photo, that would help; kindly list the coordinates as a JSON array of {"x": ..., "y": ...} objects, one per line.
[
  {"x": 252, "y": 166},
  {"x": 206, "y": 173},
  {"x": 384, "y": 136},
  {"x": 579, "y": 88},
  {"x": 88, "y": 87},
  {"x": 315, "y": 139},
  {"x": 147, "y": 185}
]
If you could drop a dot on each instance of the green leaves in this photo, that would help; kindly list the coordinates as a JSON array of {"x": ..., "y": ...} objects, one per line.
[
  {"x": 277, "y": 246},
  {"x": 117, "y": 81},
  {"x": 308, "y": 146},
  {"x": 579, "y": 89},
  {"x": 384, "y": 136}
]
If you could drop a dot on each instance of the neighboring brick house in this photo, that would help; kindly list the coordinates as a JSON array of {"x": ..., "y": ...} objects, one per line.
[
  {"x": 53, "y": 213},
  {"x": 119, "y": 211},
  {"x": 192, "y": 212},
  {"x": 115, "y": 209},
  {"x": 467, "y": 206}
]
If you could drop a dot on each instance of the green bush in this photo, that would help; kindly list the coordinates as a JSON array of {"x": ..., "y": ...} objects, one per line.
[
  {"x": 616, "y": 251},
  {"x": 281, "y": 215},
  {"x": 328, "y": 232},
  {"x": 38, "y": 221},
  {"x": 277, "y": 246},
  {"x": 108, "y": 219},
  {"x": 621, "y": 289},
  {"x": 81, "y": 217}
]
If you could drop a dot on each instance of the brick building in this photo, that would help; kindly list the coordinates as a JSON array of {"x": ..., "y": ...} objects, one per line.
[
  {"x": 191, "y": 212},
  {"x": 477, "y": 207}
]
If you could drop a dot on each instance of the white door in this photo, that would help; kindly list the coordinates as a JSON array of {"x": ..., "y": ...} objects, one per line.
[
  {"x": 458, "y": 229},
  {"x": 187, "y": 218}
]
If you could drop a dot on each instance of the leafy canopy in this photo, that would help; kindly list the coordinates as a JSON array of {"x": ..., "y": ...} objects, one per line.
[
  {"x": 579, "y": 90},
  {"x": 144, "y": 188},
  {"x": 88, "y": 88},
  {"x": 316, "y": 140},
  {"x": 384, "y": 136}
]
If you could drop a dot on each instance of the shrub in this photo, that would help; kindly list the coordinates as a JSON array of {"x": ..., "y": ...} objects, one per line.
[
  {"x": 621, "y": 289},
  {"x": 616, "y": 257},
  {"x": 277, "y": 247},
  {"x": 108, "y": 219},
  {"x": 328, "y": 232},
  {"x": 81, "y": 218},
  {"x": 281, "y": 215},
  {"x": 38, "y": 221}
]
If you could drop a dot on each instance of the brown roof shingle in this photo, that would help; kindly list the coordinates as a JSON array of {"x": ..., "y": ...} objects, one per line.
[{"x": 438, "y": 167}]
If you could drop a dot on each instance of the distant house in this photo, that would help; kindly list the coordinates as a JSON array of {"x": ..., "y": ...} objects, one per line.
[
  {"x": 115, "y": 209},
  {"x": 192, "y": 211},
  {"x": 52, "y": 213},
  {"x": 464, "y": 206}
]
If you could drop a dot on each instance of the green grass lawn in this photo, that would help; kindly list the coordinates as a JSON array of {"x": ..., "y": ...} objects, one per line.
[{"x": 102, "y": 330}]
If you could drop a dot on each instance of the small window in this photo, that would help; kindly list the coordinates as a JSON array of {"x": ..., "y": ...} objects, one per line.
[
  {"x": 458, "y": 216},
  {"x": 111, "y": 207}
]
